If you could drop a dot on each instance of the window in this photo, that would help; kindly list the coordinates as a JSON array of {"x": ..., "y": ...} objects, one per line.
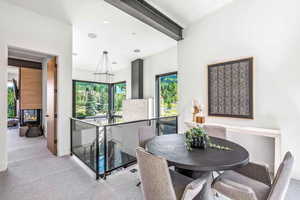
[
  {"x": 90, "y": 99},
  {"x": 166, "y": 94},
  {"x": 11, "y": 102},
  {"x": 119, "y": 95},
  {"x": 93, "y": 99}
]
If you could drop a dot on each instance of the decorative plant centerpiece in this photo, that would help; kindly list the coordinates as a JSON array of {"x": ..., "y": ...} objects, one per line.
[{"x": 198, "y": 138}]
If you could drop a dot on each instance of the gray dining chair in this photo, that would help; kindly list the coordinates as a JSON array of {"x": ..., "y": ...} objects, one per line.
[
  {"x": 253, "y": 182},
  {"x": 218, "y": 132},
  {"x": 215, "y": 131},
  {"x": 145, "y": 133},
  {"x": 161, "y": 183}
]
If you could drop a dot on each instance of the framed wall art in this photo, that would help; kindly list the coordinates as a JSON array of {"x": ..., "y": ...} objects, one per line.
[{"x": 230, "y": 89}]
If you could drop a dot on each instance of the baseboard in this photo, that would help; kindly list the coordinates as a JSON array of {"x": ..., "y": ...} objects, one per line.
[
  {"x": 63, "y": 152},
  {"x": 83, "y": 166}
]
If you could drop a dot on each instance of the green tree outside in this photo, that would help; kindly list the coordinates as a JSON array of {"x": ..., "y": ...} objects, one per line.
[
  {"x": 119, "y": 97},
  {"x": 11, "y": 103},
  {"x": 91, "y": 99},
  {"x": 168, "y": 95}
]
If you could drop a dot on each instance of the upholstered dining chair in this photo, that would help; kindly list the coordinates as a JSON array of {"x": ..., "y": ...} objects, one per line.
[
  {"x": 253, "y": 182},
  {"x": 161, "y": 183},
  {"x": 215, "y": 131},
  {"x": 145, "y": 133}
]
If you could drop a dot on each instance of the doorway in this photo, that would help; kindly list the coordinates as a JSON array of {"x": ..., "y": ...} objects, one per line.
[{"x": 32, "y": 100}]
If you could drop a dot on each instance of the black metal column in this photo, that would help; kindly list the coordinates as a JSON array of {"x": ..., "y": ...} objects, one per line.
[
  {"x": 137, "y": 79},
  {"x": 97, "y": 153},
  {"x": 110, "y": 103},
  {"x": 71, "y": 136},
  {"x": 105, "y": 153}
]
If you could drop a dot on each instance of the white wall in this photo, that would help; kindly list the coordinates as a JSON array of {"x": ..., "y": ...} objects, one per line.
[
  {"x": 160, "y": 63},
  {"x": 25, "y": 29},
  {"x": 83, "y": 75},
  {"x": 269, "y": 31},
  {"x": 3, "y": 105}
]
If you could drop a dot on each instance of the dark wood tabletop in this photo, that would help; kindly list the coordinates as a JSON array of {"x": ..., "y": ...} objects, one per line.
[{"x": 172, "y": 148}]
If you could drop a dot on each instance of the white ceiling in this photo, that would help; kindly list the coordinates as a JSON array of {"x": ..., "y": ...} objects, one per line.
[
  {"x": 188, "y": 11},
  {"x": 89, "y": 16}
]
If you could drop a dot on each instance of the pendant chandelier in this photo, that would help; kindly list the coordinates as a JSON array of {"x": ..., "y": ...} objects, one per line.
[{"x": 104, "y": 71}]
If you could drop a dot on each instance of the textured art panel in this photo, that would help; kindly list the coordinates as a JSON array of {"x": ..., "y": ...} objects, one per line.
[{"x": 230, "y": 92}]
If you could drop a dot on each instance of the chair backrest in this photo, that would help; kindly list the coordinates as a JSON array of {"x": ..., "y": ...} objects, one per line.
[
  {"x": 282, "y": 178},
  {"x": 215, "y": 131},
  {"x": 145, "y": 134},
  {"x": 155, "y": 176}
]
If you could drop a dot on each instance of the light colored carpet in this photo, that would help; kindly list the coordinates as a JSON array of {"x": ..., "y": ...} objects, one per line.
[{"x": 35, "y": 174}]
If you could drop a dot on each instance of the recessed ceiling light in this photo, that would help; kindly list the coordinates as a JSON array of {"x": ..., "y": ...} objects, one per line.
[
  {"x": 105, "y": 22},
  {"x": 137, "y": 51},
  {"x": 92, "y": 35}
]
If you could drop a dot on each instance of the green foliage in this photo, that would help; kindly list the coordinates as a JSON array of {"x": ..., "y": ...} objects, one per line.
[
  {"x": 91, "y": 99},
  {"x": 119, "y": 97},
  {"x": 199, "y": 132},
  {"x": 11, "y": 103},
  {"x": 90, "y": 105},
  {"x": 169, "y": 95}
]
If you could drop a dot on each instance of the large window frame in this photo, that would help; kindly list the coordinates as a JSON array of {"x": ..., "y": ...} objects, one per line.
[
  {"x": 111, "y": 93},
  {"x": 157, "y": 90}
]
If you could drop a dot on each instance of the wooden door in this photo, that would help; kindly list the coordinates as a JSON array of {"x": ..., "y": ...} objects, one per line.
[{"x": 51, "y": 115}]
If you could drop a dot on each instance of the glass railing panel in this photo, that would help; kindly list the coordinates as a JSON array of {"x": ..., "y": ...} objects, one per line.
[
  {"x": 166, "y": 125},
  {"x": 83, "y": 142},
  {"x": 122, "y": 141},
  {"x": 101, "y": 160},
  {"x": 107, "y": 145}
]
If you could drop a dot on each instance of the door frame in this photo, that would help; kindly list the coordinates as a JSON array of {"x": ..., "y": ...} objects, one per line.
[{"x": 20, "y": 63}]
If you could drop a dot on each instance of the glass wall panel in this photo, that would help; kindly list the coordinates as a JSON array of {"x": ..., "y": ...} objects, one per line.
[{"x": 84, "y": 144}]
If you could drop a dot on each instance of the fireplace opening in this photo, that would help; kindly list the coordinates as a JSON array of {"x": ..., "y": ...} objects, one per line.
[
  {"x": 31, "y": 124},
  {"x": 30, "y": 117}
]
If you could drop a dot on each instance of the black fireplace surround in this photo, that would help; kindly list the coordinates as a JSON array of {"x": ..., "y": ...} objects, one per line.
[{"x": 30, "y": 117}]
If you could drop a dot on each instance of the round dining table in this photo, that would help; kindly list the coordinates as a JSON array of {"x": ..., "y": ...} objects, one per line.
[{"x": 196, "y": 162}]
